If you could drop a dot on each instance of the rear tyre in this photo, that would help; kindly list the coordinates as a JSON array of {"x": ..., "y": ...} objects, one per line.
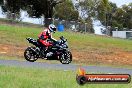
[
  {"x": 30, "y": 55},
  {"x": 66, "y": 57}
]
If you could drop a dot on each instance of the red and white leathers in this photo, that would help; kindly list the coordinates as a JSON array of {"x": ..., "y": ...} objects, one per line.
[{"x": 43, "y": 36}]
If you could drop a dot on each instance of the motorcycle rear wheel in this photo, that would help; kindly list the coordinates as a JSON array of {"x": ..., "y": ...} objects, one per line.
[{"x": 30, "y": 55}]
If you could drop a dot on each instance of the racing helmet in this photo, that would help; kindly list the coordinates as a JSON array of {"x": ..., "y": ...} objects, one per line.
[{"x": 52, "y": 28}]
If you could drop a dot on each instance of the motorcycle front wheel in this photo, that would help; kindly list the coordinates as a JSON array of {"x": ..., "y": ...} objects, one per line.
[
  {"x": 30, "y": 55},
  {"x": 66, "y": 57}
]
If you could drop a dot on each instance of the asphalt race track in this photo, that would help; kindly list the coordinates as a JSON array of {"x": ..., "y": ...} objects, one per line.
[{"x": 65, "y": 67}]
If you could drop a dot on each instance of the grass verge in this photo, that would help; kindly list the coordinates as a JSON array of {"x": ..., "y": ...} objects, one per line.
[
  {"x": 16, "y": 35},
  {"x": 18, "y": 77}
]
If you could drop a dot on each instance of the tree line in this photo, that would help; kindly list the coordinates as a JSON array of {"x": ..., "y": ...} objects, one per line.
[
  {"x": 35, "y": 8},
  {"x": 107, "y": 12}
]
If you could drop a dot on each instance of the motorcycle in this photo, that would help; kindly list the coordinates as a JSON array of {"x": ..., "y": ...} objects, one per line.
[{"x": 59, "y": 51}]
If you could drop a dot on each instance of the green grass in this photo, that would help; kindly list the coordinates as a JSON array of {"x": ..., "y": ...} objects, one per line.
[
  {"x": 18, "y": 77},
  {"x": 16, "y": 35}
]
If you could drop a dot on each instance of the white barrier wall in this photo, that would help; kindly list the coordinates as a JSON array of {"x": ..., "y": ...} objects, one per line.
[{"x": 120, "y": 34}]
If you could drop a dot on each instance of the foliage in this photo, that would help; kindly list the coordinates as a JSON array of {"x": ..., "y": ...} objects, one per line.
[
  {"x": 104, "y": 9},
  {"x": 89, "y": 25},
  {"x": 1, "y": 2},
  {"x": 122, "y": 17},
  {"x": 35, "y": 8},
  {"x": 107, "y": 12},
  {"x": 12, "y": 8},
  {"x": 66, "y": 11},
  {"x": 88, "y": 11}
]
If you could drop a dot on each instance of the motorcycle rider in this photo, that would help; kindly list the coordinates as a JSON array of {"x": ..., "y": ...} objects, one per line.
[{"x": 45, "y": 35}]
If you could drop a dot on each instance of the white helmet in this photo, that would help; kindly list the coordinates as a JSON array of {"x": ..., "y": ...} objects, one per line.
[{"x": 52, "y": 28}]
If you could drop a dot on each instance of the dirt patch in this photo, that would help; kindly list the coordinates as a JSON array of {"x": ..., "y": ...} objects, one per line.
[
  {"x": 10, "y": 50},
  {"x": 108, "y": 58},
  {"x": 115, "y": 57}
]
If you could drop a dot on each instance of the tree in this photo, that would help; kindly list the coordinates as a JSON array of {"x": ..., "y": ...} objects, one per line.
[
  {"x": 122, "y": 17},
  {"x": 12, "y": 8},
  {"x": 88, "y": 7},
  {"x": 1, "y": 2},
  {"x": 35, "y": 8},
  {"x": 104, "y": 9},
  {"x": 89, "y": 11},
  {"x": 89, "y": 25},
  {"x": 127, "y": 16},
  {"x": 66, "y": 11}
]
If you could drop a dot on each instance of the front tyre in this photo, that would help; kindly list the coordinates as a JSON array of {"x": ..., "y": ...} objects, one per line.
[
  {"x": 66, "y": 57},
  {"x": 30, "y": 54}
]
